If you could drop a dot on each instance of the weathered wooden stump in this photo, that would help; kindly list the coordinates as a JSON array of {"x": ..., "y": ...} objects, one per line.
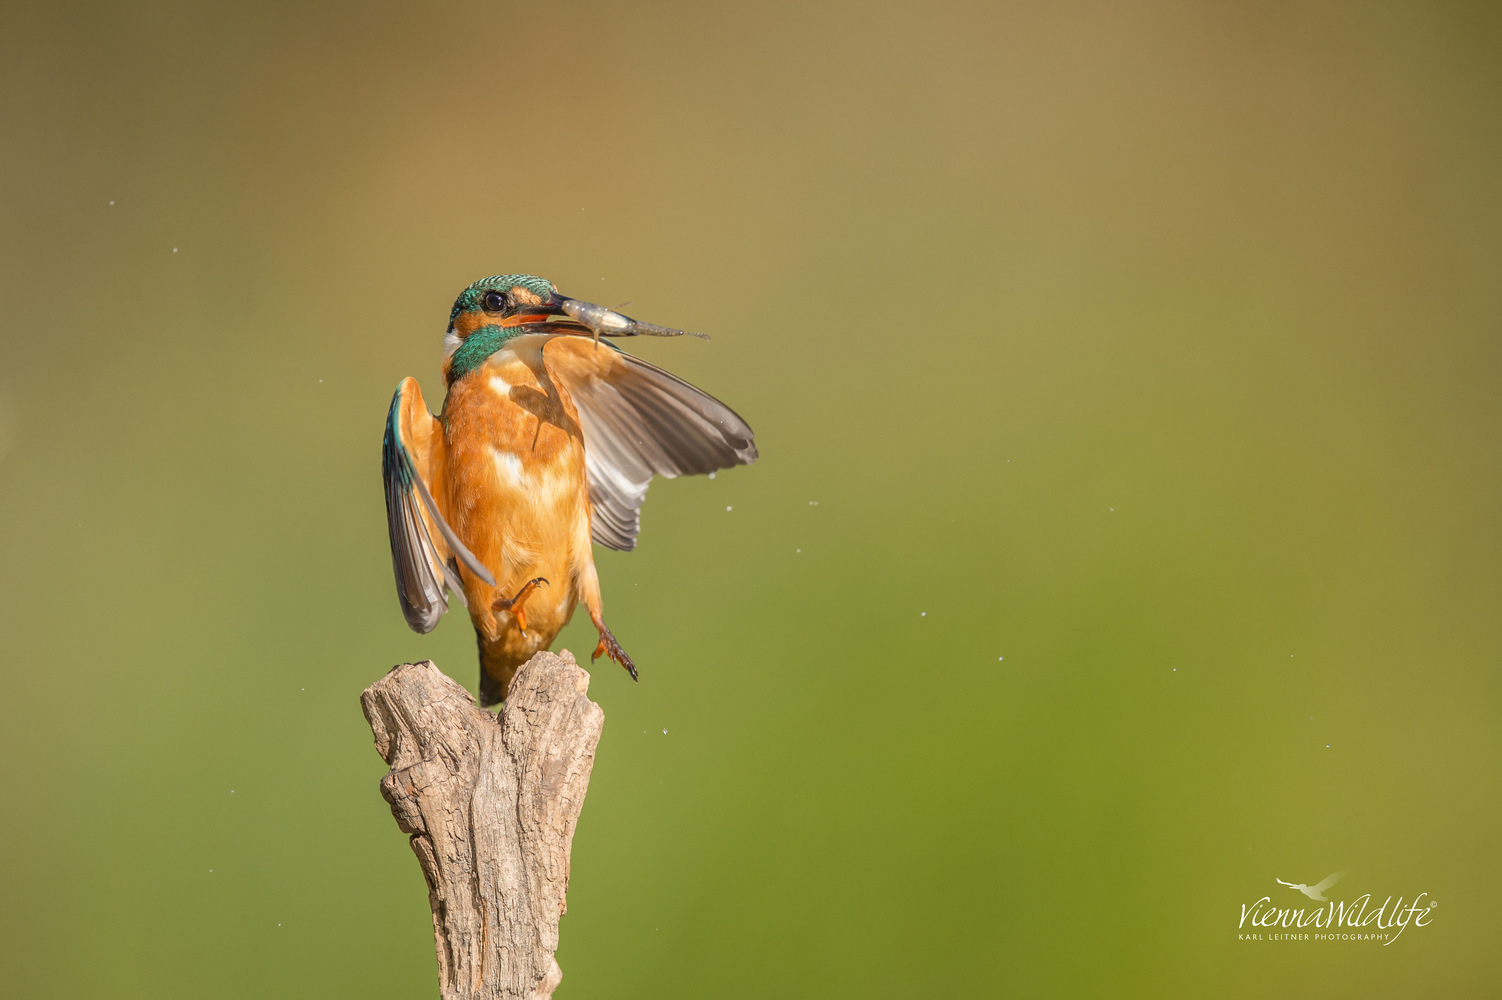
[{"x": 491, "y": 802}]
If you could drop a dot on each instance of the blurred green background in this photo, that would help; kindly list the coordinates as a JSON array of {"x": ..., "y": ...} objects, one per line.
[{"x": 1155, "y": 351}]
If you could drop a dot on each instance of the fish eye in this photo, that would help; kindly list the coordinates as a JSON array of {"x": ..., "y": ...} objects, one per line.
[{"x": 494, "y": 302}]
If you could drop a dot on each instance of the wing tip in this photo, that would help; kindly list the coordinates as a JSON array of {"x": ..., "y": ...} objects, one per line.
[{"x": 423, "y": 620}]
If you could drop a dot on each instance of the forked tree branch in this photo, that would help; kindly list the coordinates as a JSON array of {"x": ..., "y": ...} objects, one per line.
[{"x": 491, "y": 802}]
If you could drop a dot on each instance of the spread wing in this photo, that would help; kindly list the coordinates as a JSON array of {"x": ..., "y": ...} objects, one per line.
[
  {"x": 425, "y": 552},
  {"x": 640, "y": 421},
  {"x": 1328, "y": 881}
]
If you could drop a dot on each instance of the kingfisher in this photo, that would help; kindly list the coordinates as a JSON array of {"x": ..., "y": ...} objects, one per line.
[{"x": 546, "y": 442}]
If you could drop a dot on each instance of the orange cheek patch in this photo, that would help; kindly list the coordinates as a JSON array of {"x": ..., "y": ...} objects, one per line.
[{"x": 467, "y": 323}]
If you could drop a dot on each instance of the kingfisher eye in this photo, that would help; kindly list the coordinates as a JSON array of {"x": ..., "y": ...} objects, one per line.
[{"x": 494, "y": 302}]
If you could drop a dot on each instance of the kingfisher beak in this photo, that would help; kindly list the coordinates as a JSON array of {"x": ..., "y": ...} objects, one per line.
[{"x": 557, "y": 315}]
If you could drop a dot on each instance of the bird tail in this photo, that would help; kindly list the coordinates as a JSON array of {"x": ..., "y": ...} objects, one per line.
[{"x": 496, "y": 671}]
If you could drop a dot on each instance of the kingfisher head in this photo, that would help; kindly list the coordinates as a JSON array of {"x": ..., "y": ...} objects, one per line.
[
  {"x": 499, "y": 300},
  {"x": 492, "y": 304},
  {"x": 493, "y": 310}
]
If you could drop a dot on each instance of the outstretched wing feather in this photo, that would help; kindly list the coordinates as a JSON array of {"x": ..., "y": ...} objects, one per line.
[
  {"x": 425, "y": 566},
  {"x": 640, "y": 421}
]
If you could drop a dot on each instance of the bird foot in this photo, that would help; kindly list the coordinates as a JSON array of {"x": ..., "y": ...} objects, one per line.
[
  {"x": 515, "y": 605},
  {"x": 611, "y": 648}
]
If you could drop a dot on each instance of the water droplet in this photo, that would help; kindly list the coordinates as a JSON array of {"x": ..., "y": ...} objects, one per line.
[
  {"x": 664, "y": 732},
  {"x": 1111, "y": 508},
  {"x": 797, "y": 550},
  {"x": 923, "y": 614},
  {"x": 111, "y": 202},
  {"x": 729, "y": 508},
  {"x": 711, "y": 475},
  {"x": 174, "y": 249}
]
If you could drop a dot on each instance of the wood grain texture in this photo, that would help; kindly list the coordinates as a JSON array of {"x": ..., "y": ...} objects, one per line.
[{"x": 491, "y": 802}]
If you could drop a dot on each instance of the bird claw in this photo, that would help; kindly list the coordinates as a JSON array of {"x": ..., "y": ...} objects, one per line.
[
  {"x": 515, "y": 605},
  {"x": 610, "y": 647}
]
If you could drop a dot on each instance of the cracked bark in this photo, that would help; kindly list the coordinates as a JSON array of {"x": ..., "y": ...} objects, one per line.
[{"x": 491, "y": 802}]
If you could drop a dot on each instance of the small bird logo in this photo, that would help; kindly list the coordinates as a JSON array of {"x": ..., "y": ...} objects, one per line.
[
  {"x": 546, "y": 442},
  {"x": 1315, "y": 892}
]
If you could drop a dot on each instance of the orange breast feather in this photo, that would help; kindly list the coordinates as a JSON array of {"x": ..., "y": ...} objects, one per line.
[{"x": 517, "y": 493}]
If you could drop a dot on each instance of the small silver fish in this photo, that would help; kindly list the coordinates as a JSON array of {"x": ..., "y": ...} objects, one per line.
[{"x": 609, "y": 323}]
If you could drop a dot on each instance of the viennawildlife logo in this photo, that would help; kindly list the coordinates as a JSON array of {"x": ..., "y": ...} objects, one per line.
[{"x": 1319, "y": 914}]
